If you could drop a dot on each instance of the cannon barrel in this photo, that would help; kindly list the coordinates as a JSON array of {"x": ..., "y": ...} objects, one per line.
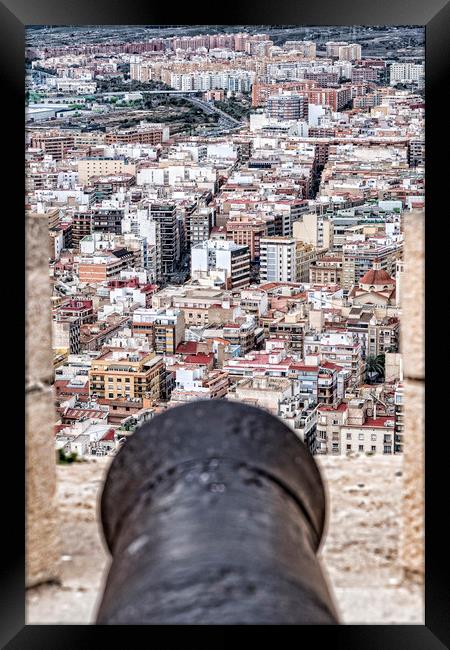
[{"x": 213, "y": 513}]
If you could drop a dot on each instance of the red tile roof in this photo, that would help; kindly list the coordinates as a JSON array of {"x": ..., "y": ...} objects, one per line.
[
  {"x": 109, "y": 435},
  {"x": 187, "y": 347},
  {"x": 377, "y": 277},
  {"x": 326, "y": 407},
  {"x": 201, "y": 359}
]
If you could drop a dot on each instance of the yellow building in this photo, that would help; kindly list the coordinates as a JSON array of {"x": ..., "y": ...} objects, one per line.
[
  {"x": 126, "y": 374},
  {"x": 305, "y": 255}
]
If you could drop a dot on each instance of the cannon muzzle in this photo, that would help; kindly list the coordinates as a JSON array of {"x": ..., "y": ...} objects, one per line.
[{"x": 213, "y": 513}]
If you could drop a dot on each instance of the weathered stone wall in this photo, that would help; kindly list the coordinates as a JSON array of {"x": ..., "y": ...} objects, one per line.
[
  {"x": 412, "y": 347},
  {"x": 42, "y": 525},
  {"x": 360, "y": 553}
]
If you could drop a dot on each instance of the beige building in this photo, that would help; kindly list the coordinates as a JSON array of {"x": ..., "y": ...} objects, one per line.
[
  {"x": 306, "y": 255},
  {"x": 326, "y": 270},
  {"x": 265, "y": 392},
  {"x": 315, "y": 229},
  {"x": 164, "y": 328},
  {"x": 89, "y": 167},
  {"x": 126, "y": 374},
  {"x": 328, "y": 432}
]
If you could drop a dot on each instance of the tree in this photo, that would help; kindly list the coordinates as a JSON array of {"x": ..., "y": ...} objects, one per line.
[
  {"x": 65, "y": 459},
  {"x": 374, "y": 365}
]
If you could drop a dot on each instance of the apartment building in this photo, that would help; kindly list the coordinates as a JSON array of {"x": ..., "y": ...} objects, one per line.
[
  {"x": 197, "y": 382},
  {"x": 278, "y": 261},
  {"x": 199, "y": 224},
  {"x": 246, "y": 230},
  {"x": 339, "y": 347},
  {"x": 102, "y": 166},
  {"x": 165, "y": 216},
  {"x": 290, "y": 329},
  {"x": 102, "y": 267},
  {"x": 367, "y": 435},
  {"x": 54, "y": 143},
  {"x": 143, "y": 134},
  {"x": 247, "y": 335},
  {"x": 107, "y": 220},
  {"x": 314, "y": 229},
  {"x": 126, "y": 374},
  {"x": 224, "y": 262},
  {"x": 287, "y": 106},
  {"x": 81, "y": 226},
  {"x": 360, "y": 256},
  {"x": 264, "y": 392},
  {"x": 330, "y": 420},
  {"x": 66, "y": 333},
  {"x": 326, "y": 269},
  {"x": 163, "y": 327},
  {"x": 405, "y": 72},
  {"x": 77, "y": 308},
  {"x": 306, "y": 255}
]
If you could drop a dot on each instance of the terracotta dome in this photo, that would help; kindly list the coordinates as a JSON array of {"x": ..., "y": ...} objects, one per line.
[{"x": 377, "y": 278}]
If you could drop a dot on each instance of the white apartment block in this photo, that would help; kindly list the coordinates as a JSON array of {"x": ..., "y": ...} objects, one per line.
[
  {"x": 223, "y": 261},
  {"x": 406, "y": 72},
  {"x": 278, "y": 260}
]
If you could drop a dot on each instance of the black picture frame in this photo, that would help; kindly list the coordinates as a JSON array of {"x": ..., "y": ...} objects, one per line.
[{"x": 15, "y": 15}]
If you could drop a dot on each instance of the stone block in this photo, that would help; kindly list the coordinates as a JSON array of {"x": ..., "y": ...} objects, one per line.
[
  {"x": 42, "y": 522},
  {"x": 38, "y": 334},
  {"x": 412, "y": 338},
  {"x": 412, "y": 533}
]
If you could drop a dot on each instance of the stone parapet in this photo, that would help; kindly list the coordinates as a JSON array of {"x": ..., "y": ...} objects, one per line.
[
  {"x": 42, "y": 524},
  {"x": 413, "y": 351}
]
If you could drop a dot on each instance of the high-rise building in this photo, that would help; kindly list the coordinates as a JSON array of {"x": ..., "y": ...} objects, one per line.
[
  {"x": 199, "y": 224},
  {"x": 287, "y": 106},
  {"x": 166, "y": 218},
  {"x": 343, "y": 51},
  {"x": 406, "y": 72},
  {"x": 223, "y": 260},
  {"x": 81, "y": 226},
  {"x": 247, "y": 231},
  {"x": 278, "y": 262}
]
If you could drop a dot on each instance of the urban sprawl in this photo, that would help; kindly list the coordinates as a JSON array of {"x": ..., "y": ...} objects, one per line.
[{"x": 225, "y": 215}]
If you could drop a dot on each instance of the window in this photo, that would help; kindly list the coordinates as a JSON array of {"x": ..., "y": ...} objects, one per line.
[
  {"x": 349, "y": 436},
  {"x": 373, "y": 437},
  {"x": 387, "y": 449},
  {"x": 111, "y": 395},
  {"x": 373, "y": 448},
  {"x": 360, "y": 447},
  {"x": 349, "y": 447},
  {"x": 361, "y": 436}
]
